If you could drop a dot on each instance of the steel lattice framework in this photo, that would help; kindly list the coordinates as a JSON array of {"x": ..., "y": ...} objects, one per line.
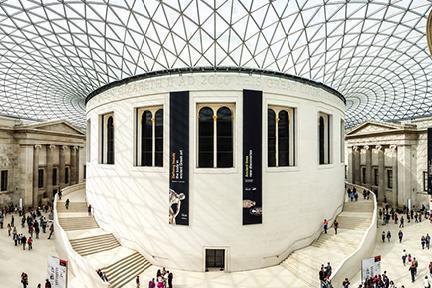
[{"x": 54, "y": 53}]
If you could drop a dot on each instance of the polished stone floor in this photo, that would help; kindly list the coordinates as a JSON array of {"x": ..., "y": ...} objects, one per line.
[
  {"x": 14, "y": 261},
  {"x": 391, "y": 253}
]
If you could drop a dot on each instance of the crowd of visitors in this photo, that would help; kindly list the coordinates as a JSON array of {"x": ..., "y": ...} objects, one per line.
[{"x": 33, "y": 222}]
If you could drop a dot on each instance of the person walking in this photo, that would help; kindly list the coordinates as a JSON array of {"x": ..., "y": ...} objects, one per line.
[
  {"x": 67, "y": 203},
  {"x": 404, "y": 257},
  {"x": 24, "y": 280},
  {"x": 89, "y": 209},
  {"x": 388, "y": 235},
  {"x": 423, "y": 242},
  {"x": 430, "y": 268},
  {"x": 30, "y": 243},
  {"x": 412, "y": 271},
  {"x": 428, "y": 238},
  {"x": 137, "y": 281},
  {"x": 9, "y": 229},
  {"x": 400, "y": 235},
  {"x": 325, "y": 226},
  {"x": 328, "y": 270},
  {"x": 152, "y": 283},
  {"x": 335, "y": 226},
  {"x": 51, "y": 231},
  {"x": 383, "y": 236},
  {"x": 426, "y": 282},
  {"x": 47, "y": 284},
  {"x": 401, "y": 222},
  {"x": 59, "y": 195}
]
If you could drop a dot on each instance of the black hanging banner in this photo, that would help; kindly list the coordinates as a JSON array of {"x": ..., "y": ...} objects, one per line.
[
  {"x": 429, "y": 160},
  {"x": 179, "y": 158},
  {"x": 252, "y": 157}
]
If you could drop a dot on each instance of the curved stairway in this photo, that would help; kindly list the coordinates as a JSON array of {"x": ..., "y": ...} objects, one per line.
[
  {"x": 353, "y": 221},
  {"x": 121, "y": 265}
]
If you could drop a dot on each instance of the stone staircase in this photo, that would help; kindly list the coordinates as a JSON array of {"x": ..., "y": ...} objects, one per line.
[
  {"x": 89, "y": 241},
  {"x": 125, "y": 270},
  {"x": 73, "y": 207},
  {"x": 94, "y": 244},
  {"x": 78, "y": 223},
  {"x": 353, "y": 222}
]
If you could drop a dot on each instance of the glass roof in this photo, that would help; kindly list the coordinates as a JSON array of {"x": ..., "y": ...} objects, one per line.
[{"x": 54, "y": 53}]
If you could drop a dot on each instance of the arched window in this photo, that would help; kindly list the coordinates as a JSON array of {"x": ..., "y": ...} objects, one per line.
[
  {"x": 280, "y": 136},
  {"x": 205, "y": 138},
  {"x": 110, "y": 140},
  {"x": 149, "y": 136},
  {"x": 283, "y": 138},
  {"x": 321, "y": 140},
  {"x": 146, "y": 139},
  {"x": 224, "y": 138},
  {"x": 159, "y": 138},
  {"x": 271, "y": 137},
  {"x": 324, "y": 138}
]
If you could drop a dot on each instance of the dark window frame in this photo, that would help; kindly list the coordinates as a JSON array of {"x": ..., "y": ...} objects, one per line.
[
  {"x": 41, "y": 176},
  {"x": 389, "y": 175},
  {"x": 4, "y": 179}
]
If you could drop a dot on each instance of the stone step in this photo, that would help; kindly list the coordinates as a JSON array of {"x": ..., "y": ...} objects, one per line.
[
  {"x": 95, "y": 244},
  {"x": 125, "y": 270},
  {"x": 78, "y": 223},
  {"x": 73, "y": 207}
]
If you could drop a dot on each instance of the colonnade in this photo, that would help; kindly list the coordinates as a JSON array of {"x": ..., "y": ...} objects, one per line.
[
  {"x": 355, "y": 173},
  {"x": 50, "y": 165}
]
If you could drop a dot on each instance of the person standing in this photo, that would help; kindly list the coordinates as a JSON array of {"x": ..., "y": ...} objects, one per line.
[
  {"x": 346, "y": 283},
  {"x": 383, "y": 236},
  {"x": 428, "y": 238},
  {"x": 23, "y": 241},
  {"x": 400, "y": 234},
  {"x": 89, "y": 209},
  {"x": 137, "y": 281},
  {"x": 152, "y": 283},
  {"x": 170, "y": 279},
  {"x": 325, "y": 226},
  {"x": 47, "y": 284},
  {"x": 430, "y": 268},
  {"x": 322, "y": 274},
  {"x": 59, "y": 195},
  {"x": 328, "y": 270},
  {"x": 426, "y": 282},
  {"x": 335, "y": 226},
  {"x": 67, "y": 203},
  {"x": 423, "y": 242},
  {"x": 388, "y": 235}
]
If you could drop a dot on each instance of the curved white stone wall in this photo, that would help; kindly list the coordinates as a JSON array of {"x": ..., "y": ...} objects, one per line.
[{"x": 132, "y": 202}]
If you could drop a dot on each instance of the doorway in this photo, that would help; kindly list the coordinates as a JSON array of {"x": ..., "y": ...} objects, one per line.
[{"x": 215, "y": 260}]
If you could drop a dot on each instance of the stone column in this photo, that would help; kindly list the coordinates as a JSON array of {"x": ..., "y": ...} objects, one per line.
[
  {"x": 381, "y": 173},
  {"x": 49, "y": 170},
  {"x": 36, "y": 174},
  {"x": 356, "y": 165},
  {"x": 77, "y": 164},
  {"x": 350, "y": 165},
  {"x": 368, "y": 166},
  {"x": 25, "y": 177},
  {"x": 403, "y": 165},
  {"x": 73, "y": 167},
  {"x": 62, "y": 166}
]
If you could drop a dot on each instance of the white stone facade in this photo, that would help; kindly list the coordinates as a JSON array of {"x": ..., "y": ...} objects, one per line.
[
  {"x": 398, "y": 147},
  {"x": 132, "y": 202},
  {"x": 27, "y": 147}
]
